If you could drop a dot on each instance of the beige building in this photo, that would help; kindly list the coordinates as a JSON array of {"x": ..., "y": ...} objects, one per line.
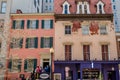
[{"x": 4, "y": 27}]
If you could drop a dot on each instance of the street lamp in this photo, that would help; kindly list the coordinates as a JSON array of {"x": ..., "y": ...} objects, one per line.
[{"x": 52, "y": 52}]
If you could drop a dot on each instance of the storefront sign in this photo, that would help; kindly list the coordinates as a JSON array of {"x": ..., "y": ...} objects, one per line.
[{"x": 44, "y": 76}]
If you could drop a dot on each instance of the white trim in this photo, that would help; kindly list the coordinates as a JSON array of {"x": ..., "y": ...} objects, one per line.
[
  {"x": 66, "y": 3},
  {"x": 102, "y": 5}
]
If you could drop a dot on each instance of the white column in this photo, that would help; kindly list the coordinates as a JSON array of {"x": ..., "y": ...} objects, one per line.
[
  {"x": 97, "y": 10},
  {"x": 88, "y": 9},
  {"x": 78, "y": 10},
  {"x": 83, "y": 9},
  {"x": 103, "y": 12}
]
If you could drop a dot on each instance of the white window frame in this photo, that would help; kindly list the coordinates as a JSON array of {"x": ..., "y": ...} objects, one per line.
[
  {"x": 103, "y": 32},
  {"x": 82, "y": 4},
  {"x": 32, "y": 24},
  {"x": 85, "y": 29},
  {"x": 3, "y": 6},
  {"x": 68, "y": 5},
  {"x": 46, "y": 24},
  {"x": 102, "y": 6},
  {"x": 46, "y": 42}
]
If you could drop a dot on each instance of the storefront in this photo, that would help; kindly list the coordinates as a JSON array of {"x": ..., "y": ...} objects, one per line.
[{"x": 78, "y": 70}]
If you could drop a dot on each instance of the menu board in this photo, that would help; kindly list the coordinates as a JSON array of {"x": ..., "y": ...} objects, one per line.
[{"x": 89, "y": 74}]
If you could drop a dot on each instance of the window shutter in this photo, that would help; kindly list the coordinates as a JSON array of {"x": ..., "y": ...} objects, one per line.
[
  {"x": 19, "y": 65},
  {"x": 51, "y": 24},
  {"x": 42, "y": 42},
  {"x": 35, "y": 63},
  {"x": 42, "y": 24},
  {"x": 25, "y": 64},
  {"x": 10, "y": 64},
  {"x": 36, "y": 42},
  {"x": 21, "y": 43},
  {"x": 37, "y": 24},
  {"x": 27, "y": 42},
  {"x": 51, "y": 42},
  {"x": 28, "y": 24},
  {"x": 14, "y": 22},
  {"x": 22, "y": 24}
]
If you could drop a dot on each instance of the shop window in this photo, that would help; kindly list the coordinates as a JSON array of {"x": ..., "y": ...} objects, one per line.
[
  {"x": 68, "y": 52},
  {"x": 67, "y": 29},
  {"x": 18, "y": 24},
  {"x": 32, "y": 42},
  {"x": 47, "y": 24},
  {"x": 100, "y": 8},
  {"x": 103, "y": 30},
  {"x": 68, "y": 74},
  {"x": 3, "y": 6},
  {"x": 46, "y": 42},
  {"x": 14, "y": 65},
  {"x": 30, "y": 65},
  {"x": 104, "y": 49},
  {"x": 85, "y": 30},
  {"x": 32, "y": 24},
  {"x": 57, "y": 76},
  {"x": 16, "y": 43},
  {"x": 66, "y": 6},
  {"x": 86, "y": 52}
]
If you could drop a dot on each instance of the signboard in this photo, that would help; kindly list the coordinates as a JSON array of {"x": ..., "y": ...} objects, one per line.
[{"x": 44, "y": 76}]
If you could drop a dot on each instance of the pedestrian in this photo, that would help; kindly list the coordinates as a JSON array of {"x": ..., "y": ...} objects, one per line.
[{"x": 37, "y": 70}]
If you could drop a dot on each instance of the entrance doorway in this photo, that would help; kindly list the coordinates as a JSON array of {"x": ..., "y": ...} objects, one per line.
[
  {"x": 111, "y": 75},
  {"x": 45, "y": 63}
]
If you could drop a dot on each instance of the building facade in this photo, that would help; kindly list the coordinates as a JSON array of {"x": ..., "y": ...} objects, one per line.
[
  {"x": 4, "y": 27},
  {"x": 31, "y": 37},
  {"x": 85, "y": 42}
]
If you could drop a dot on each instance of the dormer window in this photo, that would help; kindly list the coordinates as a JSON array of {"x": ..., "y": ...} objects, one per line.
[
  {"x": 66, "y": 7},
  {"x": 83, "y": 8},
  {"x": 100, "y": 8}
]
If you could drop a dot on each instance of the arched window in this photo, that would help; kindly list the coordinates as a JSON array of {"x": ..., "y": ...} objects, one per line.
[
  {"x": 100, "y": 8},
  {"x": 66, "y": 9},
  {"x": 85, "y": 9},
  {"x": 80, "y": 9}
]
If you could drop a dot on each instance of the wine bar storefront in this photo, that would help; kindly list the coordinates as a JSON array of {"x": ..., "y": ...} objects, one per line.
[{"x": 86, "y": 70}]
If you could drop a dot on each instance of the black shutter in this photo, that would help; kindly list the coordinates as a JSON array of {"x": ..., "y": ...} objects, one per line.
[
  {"x": 28, "y": 24},
  {"x": 25, "y": 64},
  {"x": 21, "y": 42},
  {"x": 51, "y": 42},
  {"x": 42, "y": 42},
  {"x": 10, "y": 64},
  {"x": 42, "y": 24},
  {"x": 36, "y": 42},
  {"x": 22, "y": 24},
  {"x": 51, "y": 24},
  {"x": 13, "y": 24},
  {"x": 37, "y": 24},
  {"x": 35, "y": 63},
  {"x": 27, "y": 43}
]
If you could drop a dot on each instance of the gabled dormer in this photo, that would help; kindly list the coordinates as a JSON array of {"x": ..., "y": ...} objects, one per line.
[
  {"x": 100, "y": 7},
  {"x": 66, "y": 8},
  {"x": 83, "y": 7}
]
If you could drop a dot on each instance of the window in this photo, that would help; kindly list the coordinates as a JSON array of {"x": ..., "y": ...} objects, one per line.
[
  {"x": 47, "y": 24},
  {"x": 46, "y": 42},
  {"x": 100, "y": 8},
  {"x": 86, "y": 52},
  {"x": 66, "y": 6},
  {"x": 18, "y": 24},
  {"x": 114, "y": 7},
  {"x": 80, "y": 9},
  {"x": 103, "y": 30},
  {"x": 32, "y": 42},
  {"x": 85, "y": 9},
  {"x": 104, "y": 49},
  {"x": 67, "y": 29},
  {"x": 3, "y": 6},
  {"x": 113, "y": 0},
  {"x": 32, "y": 24},
  {"x": 57, "y": 76},
  {"x": 85, "y": 30},
  {"x": 1, "y": 25},
  {"x": 16, "y": 42},
  {"x": 14, "y": 65},
  {"x": 46, "y": 1},
  {"x": 30, "y": 64},
  {"x": 0, "y": 46},
  {"x": 68, "y": 52}
]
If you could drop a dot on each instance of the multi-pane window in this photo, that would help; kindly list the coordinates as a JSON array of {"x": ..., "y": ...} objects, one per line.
[
  {"x": 18, "y": 24},
  {"x": 67, "y": 29},
  {"x": 100, "y": 9},
  {"x": 32, "y": 24},
  {"x": 68, "y": 52},
  {"x": 85, "y": 30},
  {"x": 86, "y": 52},
  {"x": 114, "y": 7},
  {"x": 80, "y": 9},
  {"x": 3, "y": 6},
  {"x": 16, "y": 43},
  {"x": 103, "y": 30},
  {"x": 46, "y": 42},
  {"x": 85, "y": 9},
  {"x": 14, "y": 65},
  {"x": 66, "y": 9},
  {"x": 47, "y": 24},
  {"x": 32, "y": 42},
  {"x": 30, "y": 64},
  {"x": 104, "y": 49}
]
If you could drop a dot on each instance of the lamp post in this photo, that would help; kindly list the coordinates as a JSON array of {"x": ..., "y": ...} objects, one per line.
[{"x": 52, "y": 52}]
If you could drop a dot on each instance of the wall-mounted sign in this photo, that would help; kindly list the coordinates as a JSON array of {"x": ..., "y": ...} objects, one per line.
[{"x": 44, "y": 76}]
